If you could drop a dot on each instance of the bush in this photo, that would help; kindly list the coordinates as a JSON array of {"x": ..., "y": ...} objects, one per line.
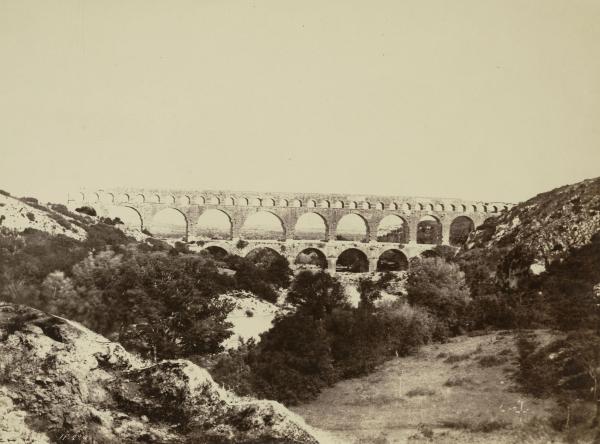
[
  {"x": 5, "y": 193},
  {"x": 30, "y": 216},
  {"x": 439, "y": 287},
  {"x": 87, "y": 210},
  {"x": 241, "y": 244}
]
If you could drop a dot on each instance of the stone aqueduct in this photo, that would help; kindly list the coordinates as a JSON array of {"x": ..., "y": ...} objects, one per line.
[{"x": 289, "y": 208}]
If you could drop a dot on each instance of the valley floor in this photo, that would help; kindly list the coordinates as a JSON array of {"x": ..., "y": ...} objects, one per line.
[{"x": 459, "y": 392}]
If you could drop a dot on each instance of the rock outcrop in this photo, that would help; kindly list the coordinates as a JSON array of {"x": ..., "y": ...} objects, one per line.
[
  {"x": 60, "y": 382},
  {"x": 534, "y": 234}
]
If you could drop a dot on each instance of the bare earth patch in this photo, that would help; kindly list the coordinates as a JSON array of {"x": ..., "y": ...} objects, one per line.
[{"x": 452, "y": 392}]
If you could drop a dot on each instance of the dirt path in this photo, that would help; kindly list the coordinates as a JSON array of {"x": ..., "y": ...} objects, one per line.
[{"x": 461, "y": 392}]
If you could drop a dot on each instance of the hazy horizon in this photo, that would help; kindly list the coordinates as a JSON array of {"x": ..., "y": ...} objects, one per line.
[{"x": 484, "y": 100}]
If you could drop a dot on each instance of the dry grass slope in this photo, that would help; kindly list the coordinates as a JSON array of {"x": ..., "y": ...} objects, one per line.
[{"x": 459, "y": 392}]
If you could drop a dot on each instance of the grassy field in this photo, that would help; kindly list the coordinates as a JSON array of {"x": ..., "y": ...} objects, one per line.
[{"x": 459, "y": 392}]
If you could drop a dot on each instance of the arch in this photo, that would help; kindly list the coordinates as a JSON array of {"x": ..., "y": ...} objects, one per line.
[
  {"x": 324, "y": 204},
  {"x": 483, "y": 208},
  {"x": 463, "y": 208},
  {"x": 452, "y": 207},
  {"x": 170, "y": 200},
  {"x": 338, "y": 204},
  {"x": 94, "y": 197},
  {"x": 296, "y": 203},
  {"x": 494, "y": 209},
  {"x": 263, "y": 225},
  {"x": 379, "y": 206},
  {"x": 254, "y": 202},
  {"x": 460, "y": 228},
  {"x": 123, "y": 197},
  {"x": 421, "y": 207},
  {"x": 392, "y": 260},
  {"x": 214, "y": 224},
  {"x": 200, "y": 200},
  {"x": 228, "y": 201},
  {"x": 352, "y": 260},
  {"x": 283, "y": 203},
  {"x": 352, "y": 205},
  {"x": 218, "y": 253},
  {"x": 429, "y": 230},
  {"x": 392, "y": 228},
  {"x": 366, "y": 205},
  {"x": 80, "y": 197},
  {"x": 311, "y": 226},
  {"x": 430, "y": 207},
  {"x": 311, "y": 203},
  {"x": 138, "y": 199},
  {"x": 168, "y": 223},
  {"x": 242, "y": 202},
  {"x": 352, "y": 227},
  {"x": 108, "y": 198},
  {"x": 184, "y": 200},
  {"x": 406, "y": 207},
  {"x": 439, "y": 207},
  {"x": 393, "y": 206},
  {"x": 154, "y": 198},
  {"x": 214, "y": 200},
  {"x": 474, "y": 208},
  {"x": 268, "y": 202},
  {"x": 311, "y": 257},
  {"x": 130, "y": 216}
]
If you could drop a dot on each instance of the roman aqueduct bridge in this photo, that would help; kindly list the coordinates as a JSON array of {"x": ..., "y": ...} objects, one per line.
[{"x": 423, "y": 222}]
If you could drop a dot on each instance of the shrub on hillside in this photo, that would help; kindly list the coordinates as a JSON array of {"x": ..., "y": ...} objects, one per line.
[{"x": 87, "y": 210}]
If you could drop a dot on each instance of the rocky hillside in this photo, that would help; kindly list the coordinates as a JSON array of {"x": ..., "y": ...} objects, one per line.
[
  {"x": 60, "y": 382},
  {"x": 538, "y": 232},
  {"x": 19, "y": 214}
]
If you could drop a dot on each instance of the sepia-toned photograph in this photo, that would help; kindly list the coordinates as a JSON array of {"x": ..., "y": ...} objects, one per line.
[{"x": 300, "y": 222}]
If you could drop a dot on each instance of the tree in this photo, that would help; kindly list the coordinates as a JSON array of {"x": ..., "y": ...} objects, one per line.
[
  {"x": 317, "y": 293},
  {"x": 440, "y": 287}
]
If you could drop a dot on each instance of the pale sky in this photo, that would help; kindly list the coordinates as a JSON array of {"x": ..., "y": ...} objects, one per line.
[{"x": 480, "y": 99}]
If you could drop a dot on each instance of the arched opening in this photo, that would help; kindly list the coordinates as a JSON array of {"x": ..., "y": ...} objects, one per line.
[
  {"x": 217, "y": 253},
  {"x": 311, "y": 257},
  {"x": 283, "y": 203},
  {"x": 268, "y": 202},
  {"x": 310, "y": 226},
  {"x": 311, "y": 203},
  {"x": 263, "y": 225},
  {"x": 406, "y": 207},
  {"x": 429, "y": 230},
  {"x": 393, "y": 206},
  {"x": 214, "y": 224},
  {"x": 123, "y": 198},
  {"x": 392, "y": 228},
  {"x": 460, "y": 228},
  {"x": 138, "y": 199},
  {"x": 107, "y": 198},
  {"x": 155, "y": 198},
  {"x": 228, "y": 202},
  {"x": 338, "y": 204},
  {"x": 324, "y": 204},
  {"x": 352, "y": 261},
  {"x": 295, "y": 203},
  {"x": 130, "y": 217},
  {"x": 168, "y": 224},
  {"x": 379, "y": 206},
  {"x": 351, "y": 227},
  {"x": 392, "y": 260},
  {"x": 254, "y": 202},
  {"x": 184, "y": 200}
]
